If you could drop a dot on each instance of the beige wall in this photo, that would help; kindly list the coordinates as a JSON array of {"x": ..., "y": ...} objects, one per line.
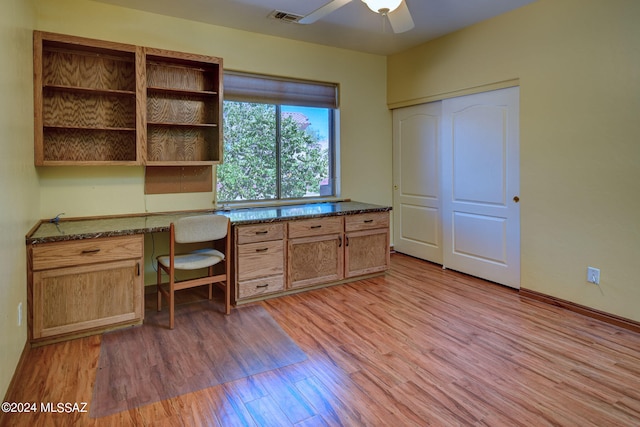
[
  {"x": 19, "y": 199},
  {"x": 365, "y": 120},
  {"x": 28, "y": 193},
  {"x": 578, "y": 63},
  {"x": 365, "y": 151}
]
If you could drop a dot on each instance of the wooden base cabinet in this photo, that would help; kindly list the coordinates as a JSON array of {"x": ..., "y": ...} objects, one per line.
[
  {"x": 366, "y": 252},
  {"x": 259, "y": 260},
  {"x": 280, "y": 258},
  {"x": 86, "y": 286},
  {"x": 314, "y": 260},
  {"x": 315, "y": 252},
  {"x": 366, "y": 244}
]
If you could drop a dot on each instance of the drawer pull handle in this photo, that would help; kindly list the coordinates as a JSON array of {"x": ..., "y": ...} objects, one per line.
[
  {"x": 91, "y": 251},
  {"x": 367, "y": 221},
  {"x": 262, "y": 232},
  {"x": 262, "y": 250},
  {"x": 262, "y": 286},
  {"x": 339, "y": 241},
  {"x": 316, "y": 226}
]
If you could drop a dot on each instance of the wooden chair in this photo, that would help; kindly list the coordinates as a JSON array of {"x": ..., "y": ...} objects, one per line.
[{"x": 193, "y": 229}]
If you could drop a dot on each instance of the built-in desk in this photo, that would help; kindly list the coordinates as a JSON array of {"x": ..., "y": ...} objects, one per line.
[{"x": 86, "y": 275}]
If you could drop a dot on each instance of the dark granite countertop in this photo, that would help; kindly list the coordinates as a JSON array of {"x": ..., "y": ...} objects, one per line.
[{"x": 91, "y": 228}]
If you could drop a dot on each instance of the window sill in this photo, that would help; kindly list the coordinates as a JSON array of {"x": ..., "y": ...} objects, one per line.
[{"x": 276, "y": 203}]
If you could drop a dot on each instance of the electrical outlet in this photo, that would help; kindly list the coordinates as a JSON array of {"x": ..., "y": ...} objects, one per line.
[
  {"x": 593, "y": 275},
  {"x": 20, "y": 314}
]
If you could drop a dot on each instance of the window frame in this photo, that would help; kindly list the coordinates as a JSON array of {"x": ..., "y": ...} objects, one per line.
[{"x": 272, "y": 90}]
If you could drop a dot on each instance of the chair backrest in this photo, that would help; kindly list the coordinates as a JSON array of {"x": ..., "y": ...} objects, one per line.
[{"x": 201, "y": 228}]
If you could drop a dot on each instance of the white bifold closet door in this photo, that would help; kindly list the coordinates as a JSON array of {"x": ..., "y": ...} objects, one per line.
[{"x": 473, "y": 174}]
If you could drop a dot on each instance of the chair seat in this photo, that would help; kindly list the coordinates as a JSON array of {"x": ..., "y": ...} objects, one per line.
[{"x": 200, "y": 258}]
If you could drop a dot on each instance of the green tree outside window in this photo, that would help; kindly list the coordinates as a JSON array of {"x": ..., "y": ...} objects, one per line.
[{"x": 270, "y": 154}]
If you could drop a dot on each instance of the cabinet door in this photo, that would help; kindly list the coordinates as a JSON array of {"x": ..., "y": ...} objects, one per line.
[
  {"x": 75, "y": 299},
  {"x": 315, "y": 260},
  {"x": 366, "y": 252}
]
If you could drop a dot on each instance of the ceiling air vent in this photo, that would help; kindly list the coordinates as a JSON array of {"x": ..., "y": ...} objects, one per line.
[{"x": 285, "y": 16}]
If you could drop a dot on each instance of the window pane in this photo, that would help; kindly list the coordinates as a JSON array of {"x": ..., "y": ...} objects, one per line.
[
  {"x": 249, "y": 171},
  {"x": 305, "y": 144}
]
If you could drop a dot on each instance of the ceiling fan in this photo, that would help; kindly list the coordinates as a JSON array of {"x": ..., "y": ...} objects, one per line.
[{"x": 395, "y": 10}]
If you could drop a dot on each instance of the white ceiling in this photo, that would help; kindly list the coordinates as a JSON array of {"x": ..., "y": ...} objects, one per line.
[{"x": 353, "y": 26}]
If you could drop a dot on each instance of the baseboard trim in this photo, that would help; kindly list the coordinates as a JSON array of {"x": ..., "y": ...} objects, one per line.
[{"x": 612, "y": 319}]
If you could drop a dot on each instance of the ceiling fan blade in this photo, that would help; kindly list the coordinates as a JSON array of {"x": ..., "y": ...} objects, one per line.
[
  {"x": 323, "y": 11},
  {"x": 400, "y": 19}
]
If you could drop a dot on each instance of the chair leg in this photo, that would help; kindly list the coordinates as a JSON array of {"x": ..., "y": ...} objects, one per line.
[
  {"x": 158, "y": 284},
  {"x": 171, "y": 304},
  {"x": 211, "y": 284},
  {"x": 227, "y": 283},
  {"x": 227, "y": 297}
]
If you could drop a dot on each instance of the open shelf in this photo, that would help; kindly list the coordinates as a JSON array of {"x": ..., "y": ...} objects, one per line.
[
  {"x": 183, "y": 108},
  {"x": 89, "y": 90},
  {"x": 85, "y": 101},
  {"x": 186, "y": 92},
  {"x": 89, "y": 146},
  {"x": 181, "y": 144},
  {"x": 99, "y": 102}
]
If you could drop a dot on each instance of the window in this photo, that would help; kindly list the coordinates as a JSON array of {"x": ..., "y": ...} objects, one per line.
[{"x": 278, "y": 139}]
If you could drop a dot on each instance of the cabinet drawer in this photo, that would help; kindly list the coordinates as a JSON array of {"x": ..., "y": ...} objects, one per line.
[
  {"x": 256, "y": 287},
  {"x": 367, "y": 221},
  {"x": 260, "y": 259},
  {"x": 315, "y": 227},
  {"x": 80, "y": 252},
  {"x": 259, "y": 233}
]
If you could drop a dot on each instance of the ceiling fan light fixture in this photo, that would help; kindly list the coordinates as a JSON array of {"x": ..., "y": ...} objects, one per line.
[{"x": 382, "y": 6}]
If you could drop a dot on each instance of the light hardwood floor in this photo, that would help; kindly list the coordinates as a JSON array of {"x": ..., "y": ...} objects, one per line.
[{"x": 419, "y": 346}]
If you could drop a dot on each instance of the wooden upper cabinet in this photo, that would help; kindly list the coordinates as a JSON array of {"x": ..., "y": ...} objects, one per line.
[
  {"x": 103, "y": 103},
  {"x": 85, "y": 101},
  {"x": 184, "y": 108}
]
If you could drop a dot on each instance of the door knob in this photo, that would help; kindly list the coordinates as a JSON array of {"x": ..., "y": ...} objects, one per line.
[{"x": 516, "y": 199}]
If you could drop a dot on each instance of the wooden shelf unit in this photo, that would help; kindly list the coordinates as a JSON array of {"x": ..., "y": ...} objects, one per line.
[
  {"x": 184, "y": 108},
  {"x": 86, "y": 96},
  {"x": 102, "y": 103}
]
